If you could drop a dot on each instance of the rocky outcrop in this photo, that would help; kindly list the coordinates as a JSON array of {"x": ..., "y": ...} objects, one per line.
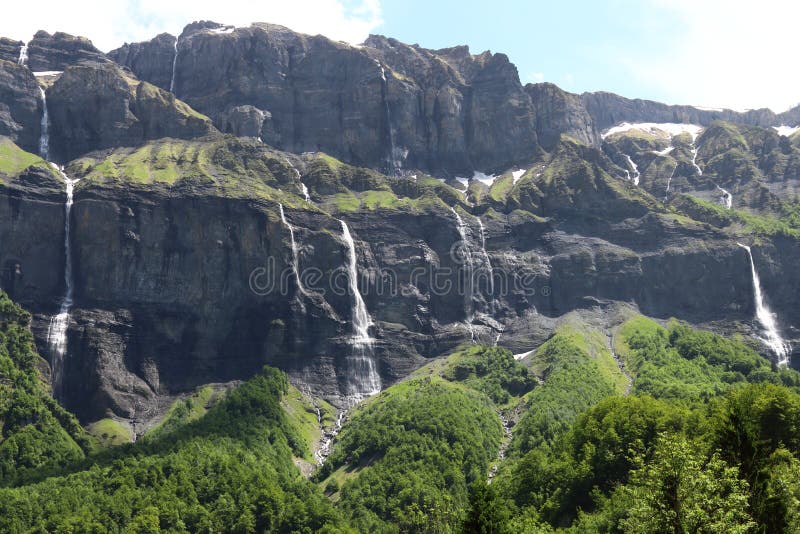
[
  {"x": 56, "y": 52},
  {"x": 608, "y": 109},
  {"x": 384, "y": 105},
  {"x": 559, "y": 112},
  {"x": 154, "y": 57},
  {"x": 20, "y": 105},
  {"x": 31, "y": 227},
  {"x": 94, "y": 106},
  {"x": 10, "y": 49}
]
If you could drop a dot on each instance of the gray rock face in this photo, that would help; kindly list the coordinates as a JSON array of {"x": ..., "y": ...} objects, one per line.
[
  {"x": 153, "y": 57},
  {"x": 608, "y": 109},
  {"x": 559, "y": 112},
  {"x": 94, "y": 106},
  {"x": 56, "y": 52},
  {"x": 9, "y": 49},
  {"x": 385, "y": 105},
  {"x": 20, "y": 105},
  {"x": 31, "y": 225}
]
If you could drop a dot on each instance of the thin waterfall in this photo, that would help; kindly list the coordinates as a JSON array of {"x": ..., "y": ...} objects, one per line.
[
  {"x": 174, "y": 65},
  {"x": 23, "y": 55},
  {"x": 57, "y": 330},
  {"x": 393, "y": 159},
  {"x": 44, "y": 136},
  {"x": 297, "y": 175},
  {"x": 669, "y": 181},
  {"x": 634, "y": 168},
  {"x": 468, "y": 289},
  {"x": 486, "y": 258},
  {"x": 363, "y": 379},
  {"x": 772, "y": 337},
  {"x": 295, "y": 251},
  {"x": 694, "y": 157},
  {"x": 726, "y": 198}
]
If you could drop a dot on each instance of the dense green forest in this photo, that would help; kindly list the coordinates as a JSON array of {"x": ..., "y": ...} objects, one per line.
[{"x": 656, "y": 428}]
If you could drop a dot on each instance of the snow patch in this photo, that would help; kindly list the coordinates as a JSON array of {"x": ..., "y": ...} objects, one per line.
[
  {"x": 487, "y": 179},
  {"x": 786, "y": 131},
  {"x": 224, "y": 29},
  {"x": 42, "y": 73},
  {"x": 516, "y": 175}
]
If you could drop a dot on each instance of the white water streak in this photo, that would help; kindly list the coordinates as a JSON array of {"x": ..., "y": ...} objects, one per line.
[
  {"x": 44, "y": 136},
  {"x": 363, "y": 379},
  {"x": 174, "y": 65},
  {"x": 295, "y": 251},
  {"x": 634, "y": 168},
  {"x": 468, "y": 290},
  {"x": 23, "y": 55},
  {"x": 768, "y": 320}
]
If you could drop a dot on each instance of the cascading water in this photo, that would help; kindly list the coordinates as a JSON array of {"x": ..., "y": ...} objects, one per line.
[
  {"x": 727, "y": 198},
  {"x": 363, "y": 379},
  {"x": 23, "y": 55},
  {"x": 669, "y": 181},
  {"x": 297, "y": 174},
  {"x": 57, "y": 330},
  {"x": 44, "y": 136},
  {"x": 634, "y": 168},
  {"x": 174, "y": 65},
  {"x": 768, "y": 320},
  {"x": 486, "y": 258},
  {"x": 394, "y": 159},
  {"x": 295, "y": 251},
  {"x": 468, "y": 290},
  {"x": 694, "y": 158}
]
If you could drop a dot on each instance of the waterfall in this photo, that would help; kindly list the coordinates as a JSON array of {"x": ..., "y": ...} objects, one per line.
[
  {"x": 295, "y": 251},
  {"x": 727, "y": 198},
  {"x": 634, "y": 168},
  {"x": 486, "y": 257},
  {"x": 468, "y": 289},
  {"x": 363, "y": 379},
  {"x": 306, "y": 196},
  {"x": 393, "y": 160},
  {"x": 767, "y": 319},
  {"x": 174, "y": 64},
  {"x": 694, "y": 158},
  {"x": 44, "y": 136},
  {"x": 23, "y": 55},
  {"x": 57, "y": 330},
  {"x": 669, "y": 181}
]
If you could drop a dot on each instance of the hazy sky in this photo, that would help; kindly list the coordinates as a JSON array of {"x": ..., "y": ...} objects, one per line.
[{"x": 711, "y": 53}]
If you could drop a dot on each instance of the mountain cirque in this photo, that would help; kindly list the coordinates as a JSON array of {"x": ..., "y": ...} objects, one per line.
[{"x": 174, "y": 214}]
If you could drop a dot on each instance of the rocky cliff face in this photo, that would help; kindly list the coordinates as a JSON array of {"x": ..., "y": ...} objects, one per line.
[
  {"x": 384, "y": 105},
  {"x": 58, "y": 51},
  {"x": 20, "y": 105},
  {"x": 184, "y": 269}
]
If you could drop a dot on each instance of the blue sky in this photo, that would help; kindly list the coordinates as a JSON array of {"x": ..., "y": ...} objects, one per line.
[
  {"x": 577, "y": 45},
  {"x": 713, "y": 53}
]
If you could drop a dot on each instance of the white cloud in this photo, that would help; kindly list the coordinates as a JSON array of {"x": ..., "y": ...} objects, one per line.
[
  {"x": 110, "y": 23},
  {"x": 536, "y": 77},
  {"x": 731, "y": 53}
]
